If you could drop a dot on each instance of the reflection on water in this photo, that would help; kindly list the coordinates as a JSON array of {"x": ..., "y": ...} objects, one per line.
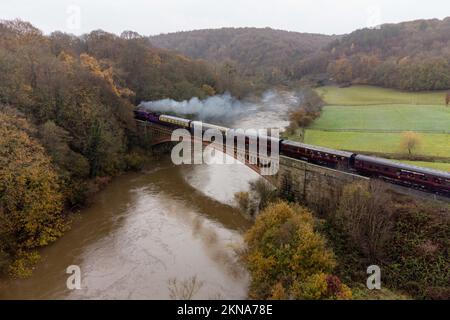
[
  {"x": 143, "y": 230},
  {"x": 147, "y": 228}
]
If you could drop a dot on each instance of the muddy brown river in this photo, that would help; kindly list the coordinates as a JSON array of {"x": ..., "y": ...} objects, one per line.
[{"x": 146, "y": 230}]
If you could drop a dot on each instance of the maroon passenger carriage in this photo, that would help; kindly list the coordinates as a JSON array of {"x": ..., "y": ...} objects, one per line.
[
  {"x": 408, "y": 175},
  {"x": 319, "y": 155}
]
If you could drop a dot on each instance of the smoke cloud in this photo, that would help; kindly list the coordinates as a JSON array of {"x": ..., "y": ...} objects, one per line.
[
  {"x": 225, "y": 109},
  {"x": 214, "y": 107}
]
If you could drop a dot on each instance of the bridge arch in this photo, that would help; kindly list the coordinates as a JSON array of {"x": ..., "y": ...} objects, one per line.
[{"x": 156, "y": 134}]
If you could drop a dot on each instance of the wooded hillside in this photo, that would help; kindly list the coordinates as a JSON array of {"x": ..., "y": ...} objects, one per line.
[
  {"x": 409, "y": 56},
  {"x": 264, "y": 52}
]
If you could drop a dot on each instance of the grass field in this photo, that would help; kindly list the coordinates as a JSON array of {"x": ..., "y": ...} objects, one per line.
[
  {"x": 385, "y": 117},
  {"x": 367, "y": 95},
  {"x": 432, "y": 144},
  {"x": 371, "y": 119}
]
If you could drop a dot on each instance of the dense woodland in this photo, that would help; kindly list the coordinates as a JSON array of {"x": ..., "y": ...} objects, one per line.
[
  {"x": 264, "y": 54},
  {"x": 410, "y": 56},
  {"x": 358, "y": 226},
  {"x": 66, "y": 122}
]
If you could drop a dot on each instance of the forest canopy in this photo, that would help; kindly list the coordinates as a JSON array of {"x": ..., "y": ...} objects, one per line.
[
  {"x": 263, "y": 53},
  {"x": 66, "y": 121},
  {"x": 410, "y": 56}
]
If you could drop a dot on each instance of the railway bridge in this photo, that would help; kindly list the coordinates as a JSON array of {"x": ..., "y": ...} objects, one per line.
[{"x": 301, "y": 181}]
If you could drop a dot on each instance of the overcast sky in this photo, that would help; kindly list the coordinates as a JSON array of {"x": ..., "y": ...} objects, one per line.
[{"x": 149, "y": 17}]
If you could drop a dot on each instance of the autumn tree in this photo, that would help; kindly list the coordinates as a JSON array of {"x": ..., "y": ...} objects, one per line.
[
  {"x": 301, "y": 118},
  {"x": 308, "y": 110},
  {"x": 287, "y": 258},
  {"x": 30, "y": 199},
  {"x": 411, "y": 141},
  {"x": 341, "y": 70},
  {"x": 208, "y": 90}
]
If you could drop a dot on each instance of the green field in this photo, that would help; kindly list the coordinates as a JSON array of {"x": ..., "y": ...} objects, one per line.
[
  {"x": 367, "y": 95},
  {"x": 432, "y": 144},
  {"x": 371, "y": 119},
  {"x": 397, "y": 117}
]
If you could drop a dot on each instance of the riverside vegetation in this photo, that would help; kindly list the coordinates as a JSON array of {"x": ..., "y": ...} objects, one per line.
[
  {"x": 67, "y": 123},
  {"x": 363, "y": 225}
]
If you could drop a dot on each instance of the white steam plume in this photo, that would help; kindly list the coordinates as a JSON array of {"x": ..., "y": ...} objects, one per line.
[{"x": 224, "y": 108}]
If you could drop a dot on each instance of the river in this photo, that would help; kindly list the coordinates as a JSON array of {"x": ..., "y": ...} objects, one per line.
[{"x": 147, "y": 233}]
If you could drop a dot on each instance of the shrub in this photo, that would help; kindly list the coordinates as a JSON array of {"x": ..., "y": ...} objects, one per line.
[
  {"x": 283, "y": 252},
  {"x": 134, "y": 161},
  {"x": 409, "y": 240},
  {"x": 365, "y": 214},
  {"x": 322, "y": 286},
  {"x": 259, "y": 196},
  {"x": 22, "y": 266},
  {"x": 308, "y": 110},
  {"x": 243, "y": 202},
  {"x": 263, "y": 192},
  {"x": 418, "y": 254}
]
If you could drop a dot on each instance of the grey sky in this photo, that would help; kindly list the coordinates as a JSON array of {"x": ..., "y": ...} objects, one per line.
[{"x": 150, "y": 17}]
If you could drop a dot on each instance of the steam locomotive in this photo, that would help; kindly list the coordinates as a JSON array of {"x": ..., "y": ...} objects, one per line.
[{"x": 398, "y": 173}]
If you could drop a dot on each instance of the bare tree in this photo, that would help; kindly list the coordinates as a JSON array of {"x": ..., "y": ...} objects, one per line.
[
  {"x": 184, "y": 290},
  {"x": 365, "y": 213},
  {"x": 411, "y": 141}
]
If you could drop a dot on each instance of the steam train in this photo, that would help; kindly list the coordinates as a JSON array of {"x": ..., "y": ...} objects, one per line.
[{"x": 398, "y": 173}]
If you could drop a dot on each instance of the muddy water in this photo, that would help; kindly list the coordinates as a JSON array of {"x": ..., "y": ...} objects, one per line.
[{"x": 147, "y": 230}]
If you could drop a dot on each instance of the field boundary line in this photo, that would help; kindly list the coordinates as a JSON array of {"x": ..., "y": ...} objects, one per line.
[
  {"x": 378, "y": 130},
  {"x": 384, "y": 104}
]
